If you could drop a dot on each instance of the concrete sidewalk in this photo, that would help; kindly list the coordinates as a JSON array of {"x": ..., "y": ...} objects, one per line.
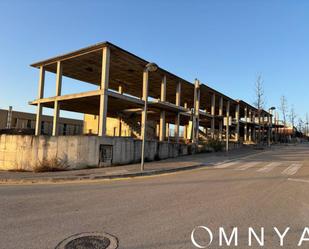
[{"x": 126, "y": 171}]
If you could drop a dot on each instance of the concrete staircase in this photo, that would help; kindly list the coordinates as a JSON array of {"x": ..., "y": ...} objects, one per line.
[
  {"x": 132, "y": 120},
  {"x": 202, "y": 135}
]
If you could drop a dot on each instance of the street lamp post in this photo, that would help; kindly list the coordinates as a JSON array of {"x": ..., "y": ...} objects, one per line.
[
  {"x": 270, "y": 123},
  {"x": 150, "y": 67}
]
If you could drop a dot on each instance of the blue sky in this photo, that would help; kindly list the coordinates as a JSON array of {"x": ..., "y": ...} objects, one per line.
[{"x": 225, "y": 44}]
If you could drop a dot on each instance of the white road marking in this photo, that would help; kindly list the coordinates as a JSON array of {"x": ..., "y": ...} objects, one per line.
[
  {"x": 298, "y": 180},
  {"x": 269, "y": 167},
  {"x": 247, "y": 165},
  {"x": 225, "y": 165},
  {"x": 292, "y": 169}
]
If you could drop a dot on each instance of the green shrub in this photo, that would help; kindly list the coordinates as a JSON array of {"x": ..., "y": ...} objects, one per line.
[
  {"x": 215, "y": 144},
  {"x": 51, "y": 165}
]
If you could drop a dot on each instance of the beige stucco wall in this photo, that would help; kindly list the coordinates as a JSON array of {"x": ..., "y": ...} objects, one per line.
[
  {"x": 25, "y": 151},
  {"x": 20, "y": 120}
]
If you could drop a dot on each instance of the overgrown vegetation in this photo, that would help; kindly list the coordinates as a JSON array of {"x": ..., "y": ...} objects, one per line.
[
  {"x": 18, "y": 170},
  {"x": 215, "y": 144},
  {"x": 51, "y": 165}
]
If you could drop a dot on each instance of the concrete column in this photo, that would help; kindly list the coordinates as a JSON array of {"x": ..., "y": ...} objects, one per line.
[
  {"x": 250, "y": 130},
  {"x": 178, "y": 94},
  {"x": 57, "y": 104},
  {"x": 254, "y": 128},
  {"x": 39, "y": 106},
  {"x": 144, "y": 98},
  {"x": 227, "y": 135},
  {"x": 185, "y": 129},
  {"x": 185, "y": 132},
  {"x": 246, "y": 125},
  {"x": 196, "y": 115},
  {"x": 237, "y": 123},
  {"x": 221, "y": 120},
  {"x": 162, "y": 133},
  {"x": 177, "y": 119},
  {"x": 104, "y": 89},
  {"x": 263, "y": 127},
  {"x": 168, "y": 130},
  {"x": 157, "y": 130},
  {"x": 120, "y": 90},
  {"x": 213, "y": 108}
]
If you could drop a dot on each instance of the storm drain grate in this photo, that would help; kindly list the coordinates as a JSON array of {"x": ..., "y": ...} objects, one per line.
[{"x": 89, "y": 241}]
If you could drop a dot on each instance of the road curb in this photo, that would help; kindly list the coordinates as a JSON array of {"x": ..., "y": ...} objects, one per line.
[
  {"x": 118, "y": 176},
  {"x": 98, "y": 177}
]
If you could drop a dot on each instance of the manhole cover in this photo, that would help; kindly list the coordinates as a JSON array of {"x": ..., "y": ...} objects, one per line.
[{"x": 89, "y": 241}]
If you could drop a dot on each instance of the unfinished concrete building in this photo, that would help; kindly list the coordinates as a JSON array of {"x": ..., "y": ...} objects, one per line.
[{"x": 180, "y": 117}]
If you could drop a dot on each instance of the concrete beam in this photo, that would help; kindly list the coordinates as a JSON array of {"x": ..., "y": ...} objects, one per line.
[
  {"x": 104, "y": 88},
  {"x": 88, "y": 94}
]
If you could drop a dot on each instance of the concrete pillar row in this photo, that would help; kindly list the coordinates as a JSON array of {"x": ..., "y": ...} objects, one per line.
[
  {"x": 39, "y": 106},
  {"x": 104, "y": 88}
]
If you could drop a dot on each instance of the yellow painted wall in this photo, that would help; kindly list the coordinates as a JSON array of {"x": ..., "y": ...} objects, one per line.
[{"x": 91, "y": 124}]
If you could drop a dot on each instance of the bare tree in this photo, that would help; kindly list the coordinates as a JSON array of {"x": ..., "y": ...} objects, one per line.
[
  {"x": 292, "y": 116},
  {"x": 300, "y": 126},
  {"x": 259, "y": 93},
  {"x": 284, "y": 108},
  {"x": 259, "y": 100}
]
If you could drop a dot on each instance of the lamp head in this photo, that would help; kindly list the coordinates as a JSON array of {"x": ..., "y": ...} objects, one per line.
[{"x": 151, "y": 67}]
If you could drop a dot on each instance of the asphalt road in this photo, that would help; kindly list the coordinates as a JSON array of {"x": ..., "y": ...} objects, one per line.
[{"x": 267, "y": 190}]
